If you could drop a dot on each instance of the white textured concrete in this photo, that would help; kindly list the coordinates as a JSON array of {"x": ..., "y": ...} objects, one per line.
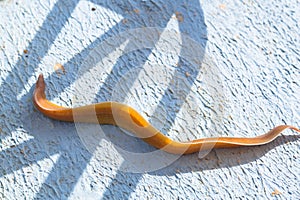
[{"x": 247, "y": 82}]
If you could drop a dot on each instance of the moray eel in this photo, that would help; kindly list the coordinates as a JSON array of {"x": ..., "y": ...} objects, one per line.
[{"x": 122, "y": 115}]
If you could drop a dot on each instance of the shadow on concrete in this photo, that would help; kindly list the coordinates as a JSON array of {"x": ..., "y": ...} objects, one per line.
[{"x": 64, "y": 136}]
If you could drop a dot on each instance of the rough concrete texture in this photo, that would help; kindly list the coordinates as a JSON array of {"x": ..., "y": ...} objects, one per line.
[{"x": 247, "y": 82}]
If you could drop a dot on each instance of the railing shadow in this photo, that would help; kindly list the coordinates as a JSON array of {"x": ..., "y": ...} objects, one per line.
[{"x": 63, "y": 135}]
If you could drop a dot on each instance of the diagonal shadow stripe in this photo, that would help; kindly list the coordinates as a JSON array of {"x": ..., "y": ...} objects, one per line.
[
  {"x": 48, "y": 32},
  {"x": 52, "y": 22},
  {"x": 46, "y": 35},
  {"x": 15, "y": 153},
  {"x": 49, "y": 180},
  {"x": 114, "y": 188}
]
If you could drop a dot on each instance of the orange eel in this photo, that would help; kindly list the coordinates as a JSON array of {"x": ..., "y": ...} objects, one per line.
[{"x": 121, "y": 115}]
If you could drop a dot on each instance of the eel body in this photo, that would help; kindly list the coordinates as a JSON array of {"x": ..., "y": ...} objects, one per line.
[{"x": 122, "y": 115}]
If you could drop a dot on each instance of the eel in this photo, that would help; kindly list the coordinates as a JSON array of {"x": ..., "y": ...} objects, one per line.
[{"x": 124, "y": 116}]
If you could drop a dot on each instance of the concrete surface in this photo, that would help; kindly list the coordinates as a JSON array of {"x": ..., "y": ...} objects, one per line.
[{"x": 247, "y": 82}]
